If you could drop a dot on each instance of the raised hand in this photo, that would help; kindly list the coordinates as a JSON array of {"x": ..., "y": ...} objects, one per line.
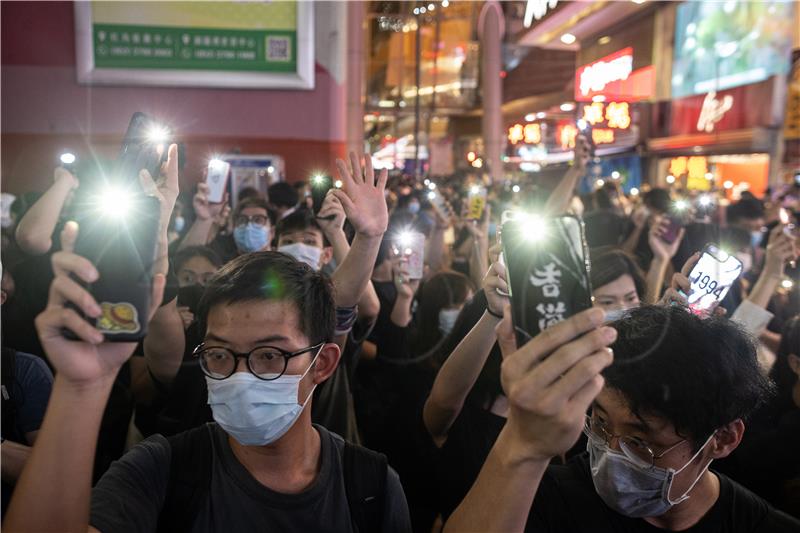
[
  {"x": 680, "y": 284},
  {"x": 362, "y": 196},
  {"x": 582, "y": 153},
  {"x": 406, "y": 287},
  {"x": 61, "y": 174},
  {"x": 781, "y": 248},
  {"x": 203, "y": 209},
  {"x": 662, "y": 249},
  {"x": 494, "y": 281},
  {"x": 166, "y": 187},
  {"x": 331, "y": 215},
  {"x": 89, "y": 360},
  {"x": 552, "y": 380}
]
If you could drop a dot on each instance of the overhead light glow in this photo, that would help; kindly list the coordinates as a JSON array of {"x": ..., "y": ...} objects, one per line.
[
  {"x": 445, "y": 3},
  {"x": 568, "y": 38},
  {"x": 567, "y": 107},
  {"x": 605, "y": 39},
  {"x": 541, "y": 114},
  {"x": 728, "y": 184},
  {"x": 530, "y": 117},
  {"x": 599, "y": 98}
]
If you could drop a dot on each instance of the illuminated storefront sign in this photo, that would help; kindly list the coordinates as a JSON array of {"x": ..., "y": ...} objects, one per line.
[
  {"x": 536, "y": 9},
  {"x": 695, "y": 169},
  {"x": 713, "y": 110},
  {"x": 605, "y": 118},
  {"x": 614, "y": 78},
  {"x": 529, "y": 134}
]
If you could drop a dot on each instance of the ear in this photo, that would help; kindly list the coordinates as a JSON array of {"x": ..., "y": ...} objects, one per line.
[
  {"x": 327, "y": 255},
  {"x": 726, "y": 439},
  {"x": 794, "y": 363},
  {"x": 326, "y": 363}
]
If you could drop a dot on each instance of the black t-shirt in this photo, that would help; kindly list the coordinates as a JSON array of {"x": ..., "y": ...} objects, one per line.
[
  {"x": 130, "y": 496},
  {"x": 461, "y": 458},
  {"x": 567, "y": 501}
]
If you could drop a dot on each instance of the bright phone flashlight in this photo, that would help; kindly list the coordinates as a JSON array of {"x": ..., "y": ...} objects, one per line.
[
  {"x": 115, "y": 202},
  {"x": 157, "y": 134},
  {"x": 634, "y": 191},
  {"x": 515, "y": 188},
  {"x": 680, "y": 205},
  {"x": 431, "y": 195},
  {"x": 475, "y": 189},
  {"x": 404, "y": 238},
  {"x": 216, "y": 163},
  {"x": 787, "y": 283},
  {"x": 582, "y": 124},
  {"x": 67, "y": 158},
  {"x": 704, "y": 201},
  {"x": 432, "y": 186},
  {"x": 670, "y": 179},
  {"x": 318, "y": 179},
  {"x": 338, "y": 184}
]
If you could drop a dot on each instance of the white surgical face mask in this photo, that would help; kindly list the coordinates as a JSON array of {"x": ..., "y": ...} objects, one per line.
[
  {"x": 631, "y": 489},
  {"x": 253, "y": 411},
  {"x": 447, "y": 319},
  {"x": 304, "y": 253}
]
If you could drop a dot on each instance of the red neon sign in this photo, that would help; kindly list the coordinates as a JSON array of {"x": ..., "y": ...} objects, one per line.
[{"x": 613, "y": 77}]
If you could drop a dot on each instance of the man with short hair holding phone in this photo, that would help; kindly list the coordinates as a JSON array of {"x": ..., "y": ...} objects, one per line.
[{"x": 658, "y": 410}]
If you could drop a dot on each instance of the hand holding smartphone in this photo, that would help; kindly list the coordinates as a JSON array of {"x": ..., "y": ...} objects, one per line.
[
  {"x": 476, "y": 202},
  {"x": 411, "y": 245},
  {"x": 320, "y": 185},
  {"x": 217, "y": 180}
]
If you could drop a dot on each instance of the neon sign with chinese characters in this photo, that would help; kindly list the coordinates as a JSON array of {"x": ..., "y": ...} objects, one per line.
[
  {"x": 536, "y": 9},
  {"x": 713, "y": 110},
  {"x": 613, "y": 77},
  {"x": 529, "y": 134},
  {"x": 605, "y": 118}
]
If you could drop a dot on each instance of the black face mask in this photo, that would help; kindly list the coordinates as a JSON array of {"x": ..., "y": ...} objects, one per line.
[{"x": 189, "y": 296}]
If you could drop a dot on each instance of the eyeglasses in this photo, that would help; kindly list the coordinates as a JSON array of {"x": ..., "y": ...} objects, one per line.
[
  {"x": 264, "y": 362},
  {"x": 634, "y": 448},
  {"x": 258, "y": 220}
]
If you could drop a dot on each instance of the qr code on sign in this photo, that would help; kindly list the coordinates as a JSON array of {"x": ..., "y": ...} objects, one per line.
[{"x": 279, "y": 49}]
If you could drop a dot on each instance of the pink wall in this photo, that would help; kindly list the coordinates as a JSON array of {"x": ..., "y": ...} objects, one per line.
[{"x": 44, "y": 109}]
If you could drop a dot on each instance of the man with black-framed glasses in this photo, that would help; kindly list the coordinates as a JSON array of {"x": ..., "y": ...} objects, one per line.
[{"x": 672, "y": 397}]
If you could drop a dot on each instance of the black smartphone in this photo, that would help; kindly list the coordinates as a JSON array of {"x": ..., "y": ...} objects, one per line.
[
  {"x": 120, "y": 238},
  {"x": 547, "y": 262},
  {"x": 320, "y": 185},
  {"x": 189, "y": 296},
  {"x": 673, "y": 229},
  {"x": 144, "y": 147},
  {"x": 585, "y": 129}
]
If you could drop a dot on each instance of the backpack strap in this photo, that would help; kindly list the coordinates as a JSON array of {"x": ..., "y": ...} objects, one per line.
[
  {"x": 365, "y": 483},
  {"x": 191, "y": 458}
]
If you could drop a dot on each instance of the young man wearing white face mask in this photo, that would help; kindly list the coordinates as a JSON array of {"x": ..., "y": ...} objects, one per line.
[
  {"x": 674, "y": 400},
  {"x": 269, "y": 329}
]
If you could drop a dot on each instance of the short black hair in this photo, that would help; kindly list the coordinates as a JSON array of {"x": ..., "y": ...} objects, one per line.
[
  {"x": 282, "y": 194},
  {"x": 274, "y": 276},
  {"x": 250, "y": 201},
  {"x": 697, "y": 374},
  {"x": 299, "y": 220},
  {"x": 746, "y": 208},
  {"x": 189, "y": 252},
  {"x": 249, "y": 192},
  {"x": 658, "y": 199},
  {"x": 609, "y": 264}
]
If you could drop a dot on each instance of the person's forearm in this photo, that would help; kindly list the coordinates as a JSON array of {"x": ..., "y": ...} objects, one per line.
[
  {"x": 341, "y": 247},
  {"x": 434, "y": 250},
  {"x": 457, "y": 377},
  {"x": 633, "y": 239},
  {"x": 35, "y": 231},
  {"x": 559, "y": 200},
  {"x": 353, "y": 273},
  {"x": 501, "y": 497},
  {"x": 479, "y": 261},
  {"x": 764, "y": 288},
  {"x": 655, "y": 279},
  {"x": 369, "y": 305},
  {"x": 165, "y": 343},
  {"x": 197, "y": 235},
  {"x": 54, "y": 489},
  {"x": 401, "y": 312},
  {"x": 14, "y": 457}
]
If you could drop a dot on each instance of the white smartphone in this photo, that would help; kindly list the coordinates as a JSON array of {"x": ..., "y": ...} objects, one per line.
[
  {"x": 476, "y": 199},
  {"x": 217, "y": 179},
  {"x": 411, "y": 244},
  {"x": 711, "y": 279}
]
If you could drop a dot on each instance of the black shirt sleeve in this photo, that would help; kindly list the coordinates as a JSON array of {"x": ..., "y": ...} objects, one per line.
[
  {"x": 129, "y": 497},
  {"x": 396, "y": 518}
]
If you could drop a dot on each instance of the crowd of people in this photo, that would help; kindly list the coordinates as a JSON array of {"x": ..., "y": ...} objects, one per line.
[{"x": 299, "y": 374}]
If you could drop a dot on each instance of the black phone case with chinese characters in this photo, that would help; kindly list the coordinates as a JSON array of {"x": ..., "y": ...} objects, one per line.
[{"x": 547, "y": 263}]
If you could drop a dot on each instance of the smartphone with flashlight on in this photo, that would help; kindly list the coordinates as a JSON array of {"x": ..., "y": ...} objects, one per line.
[
  {"x": 217, "y": 179},
  {"x": 673, "y": 228},
  {"x": 586, "y": 130},
  {"x": 476, "y": 202},
  {"x": 411, "y": 245},
  {"x": 118, "y": 233},
  {"x": 439, "y": 203},
  {"x": 711, "y": 279},
  {"x": 144, "y": 147},
  {"x": 320, "y": 185},
  {"x": 547, "y": 264}
]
